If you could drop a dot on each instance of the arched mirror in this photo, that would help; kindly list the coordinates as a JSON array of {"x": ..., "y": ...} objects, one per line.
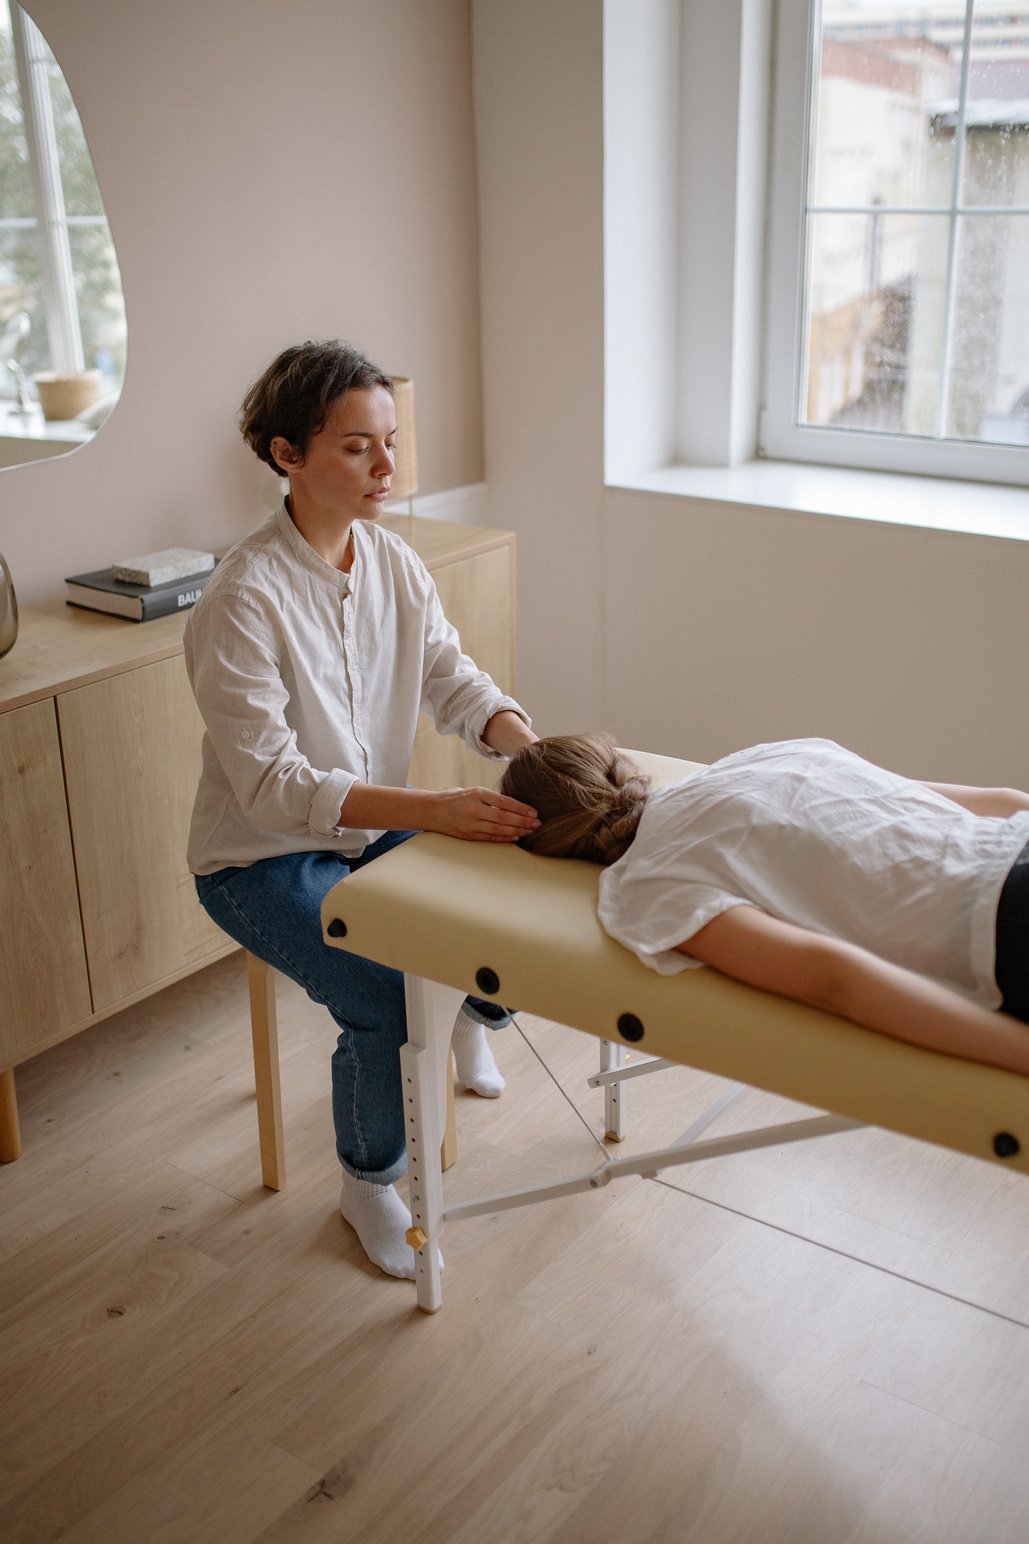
[{"x": 62, "y": 309}]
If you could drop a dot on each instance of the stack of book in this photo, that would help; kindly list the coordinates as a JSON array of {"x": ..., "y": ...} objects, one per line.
[{"x": 154, "y": 585}]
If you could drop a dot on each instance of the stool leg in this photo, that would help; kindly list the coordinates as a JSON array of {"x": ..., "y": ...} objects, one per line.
[
  {"x": 10, "y": 1132},
  {"x": 265, "y": 1031}
]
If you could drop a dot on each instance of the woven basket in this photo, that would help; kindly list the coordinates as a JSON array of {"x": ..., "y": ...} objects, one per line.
[{"x": 67, "y": 393}]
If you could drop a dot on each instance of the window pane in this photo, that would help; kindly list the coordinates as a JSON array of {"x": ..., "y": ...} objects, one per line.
[
  {"x": 15, "y": 180},
  {"x": 918, "y": 323},
  {"x": 877, "y": 139},
  {"x": 875, "y": 321},
  {"x": 996, "y": 169},
  {"x": 21, "y": 289},
  {"x": 57, "y": 259},
  {"x": 989, "y": 373},
  {"x": 100, "y": 299},
  {"x": 78, "y": 179}
]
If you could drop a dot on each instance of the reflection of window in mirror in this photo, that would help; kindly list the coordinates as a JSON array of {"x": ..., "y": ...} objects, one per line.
[{"x": 62, "y": 312}]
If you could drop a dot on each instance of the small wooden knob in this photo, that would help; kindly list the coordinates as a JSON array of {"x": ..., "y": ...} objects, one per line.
[{"x": 417, "y": 1238}]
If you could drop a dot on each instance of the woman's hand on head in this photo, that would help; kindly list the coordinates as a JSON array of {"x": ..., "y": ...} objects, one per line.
[{"x": 480, "y": 815}]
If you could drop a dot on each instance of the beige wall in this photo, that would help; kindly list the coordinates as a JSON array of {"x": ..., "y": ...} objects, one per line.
[
  {"x": 908, "y": 645},
  {"x": 273, "y": 170},
  {"x": 539, "y": 127},
  {"x": 693, "y": 628},
  {"x": 253, "y": 204}
]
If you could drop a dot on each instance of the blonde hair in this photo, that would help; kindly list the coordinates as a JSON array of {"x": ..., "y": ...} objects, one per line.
[{"x": 588, "y": 794}]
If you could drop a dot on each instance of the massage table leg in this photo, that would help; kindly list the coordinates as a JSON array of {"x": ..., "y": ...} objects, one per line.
[
  {"x": 425, "y": 1062},
  {"x": 614, "y": 1070},
  {"x": 612, "y": 1059},
  {"x": 424, "y": 1070}
]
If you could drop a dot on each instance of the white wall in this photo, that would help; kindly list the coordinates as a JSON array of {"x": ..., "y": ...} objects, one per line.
[
  {"x": 259, "y": 192},
  {"x": 908, "y": 645},
  {"x": 715, "y": 625},
  {"x": 272, "y": 171},
  {"x": 539, "y": 126}
]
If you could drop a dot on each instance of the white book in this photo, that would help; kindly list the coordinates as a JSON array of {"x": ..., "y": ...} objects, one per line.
[{"x": 162, "y": 567}]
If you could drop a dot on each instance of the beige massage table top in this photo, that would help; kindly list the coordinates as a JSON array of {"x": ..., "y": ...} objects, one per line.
[{"x": 446, "y": 910}]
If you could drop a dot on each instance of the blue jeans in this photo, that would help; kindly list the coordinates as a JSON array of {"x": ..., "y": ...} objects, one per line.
[{"x": 273, "y": 908}]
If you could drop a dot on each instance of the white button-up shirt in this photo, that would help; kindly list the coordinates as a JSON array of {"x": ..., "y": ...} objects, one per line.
[{"x": 309, "y": 681}]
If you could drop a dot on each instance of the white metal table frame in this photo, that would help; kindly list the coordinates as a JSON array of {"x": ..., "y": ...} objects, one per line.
[{"x": 431, "y": 1009}]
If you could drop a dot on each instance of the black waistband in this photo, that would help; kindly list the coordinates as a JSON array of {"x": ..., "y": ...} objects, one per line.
[{"x": 1012, "y": 967}]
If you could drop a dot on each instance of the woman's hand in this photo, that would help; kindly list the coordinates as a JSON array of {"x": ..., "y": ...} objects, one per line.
[
  {"x": 475, "y": 814},
  {"x": 479, "y": 815}
]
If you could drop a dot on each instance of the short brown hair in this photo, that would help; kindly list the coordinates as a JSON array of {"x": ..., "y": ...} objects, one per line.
[
  {"x": 588, "y": 794},
  {"x": 296, "y": 393}
]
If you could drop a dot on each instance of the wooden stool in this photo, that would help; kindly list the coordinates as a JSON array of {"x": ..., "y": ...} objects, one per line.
[{"x": 264, "y": 1031}]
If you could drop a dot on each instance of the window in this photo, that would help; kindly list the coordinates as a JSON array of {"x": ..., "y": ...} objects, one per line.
[
  {"x": 898, "y": 277},
  {"x": 60, "y": 287}
]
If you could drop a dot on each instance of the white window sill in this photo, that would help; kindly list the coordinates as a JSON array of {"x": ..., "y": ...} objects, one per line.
[
  {"x": 33, "y": 426},
  {"x": 885, "y": 498}
]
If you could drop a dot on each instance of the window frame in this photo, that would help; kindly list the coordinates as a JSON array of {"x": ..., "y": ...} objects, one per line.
[{"x": 780, "y": 436}]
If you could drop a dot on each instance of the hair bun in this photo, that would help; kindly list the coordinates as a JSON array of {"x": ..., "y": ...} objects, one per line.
[{"x": 589, "y": 796}]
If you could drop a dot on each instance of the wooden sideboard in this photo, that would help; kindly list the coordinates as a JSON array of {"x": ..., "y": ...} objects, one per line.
[{"x": 99, "y": 758}]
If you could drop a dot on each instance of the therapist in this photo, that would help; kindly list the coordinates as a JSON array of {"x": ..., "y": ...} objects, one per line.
[{"x": 316, "y": 642}]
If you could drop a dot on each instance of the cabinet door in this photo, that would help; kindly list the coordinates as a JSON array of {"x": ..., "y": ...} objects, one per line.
[
  {"x": 43, "y": 983},
  {"x": 132, "y": 759},
  {"x": 477, "y": 596}
]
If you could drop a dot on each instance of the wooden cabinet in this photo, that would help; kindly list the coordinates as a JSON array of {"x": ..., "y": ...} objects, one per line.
[
  {"x": 99, "y": 758},
  {"x": 132, "y": 758},
  {"x": 43, "y": 980},
  {"x": 477, "y": 596}
]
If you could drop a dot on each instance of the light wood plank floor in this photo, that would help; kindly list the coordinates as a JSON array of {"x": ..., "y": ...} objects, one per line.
[{"x": 821, "y": 1345}]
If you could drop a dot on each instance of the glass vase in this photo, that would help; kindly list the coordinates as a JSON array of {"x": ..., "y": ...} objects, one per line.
[{"x": 8, "y": 609}]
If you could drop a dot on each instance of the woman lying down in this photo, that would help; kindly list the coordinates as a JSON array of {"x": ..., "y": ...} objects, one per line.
[{"x": 799, "y": 868}]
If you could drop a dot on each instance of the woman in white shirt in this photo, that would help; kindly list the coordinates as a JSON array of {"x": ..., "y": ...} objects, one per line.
[
  {"x": 802, "y": 869},
  {"x": 311, "y": 651}
]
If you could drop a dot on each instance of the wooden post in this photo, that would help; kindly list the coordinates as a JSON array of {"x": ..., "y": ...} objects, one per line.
[
  {"x": 265, "y": 1031},
  {"x": 10, "y": 1131}
]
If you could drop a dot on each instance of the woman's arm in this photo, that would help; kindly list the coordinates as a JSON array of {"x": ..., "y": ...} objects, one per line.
[
  {"x": 751, "y": 946},
  {"x": 506, "y": 733},
  {"x": 475, "y": 814},
  {"x": 983, "y": 801}
]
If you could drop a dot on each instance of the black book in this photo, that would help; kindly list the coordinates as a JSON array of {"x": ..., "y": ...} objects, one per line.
[{"x": 101, "y": 591}]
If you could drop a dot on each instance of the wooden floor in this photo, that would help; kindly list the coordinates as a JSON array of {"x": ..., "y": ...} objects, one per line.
[{"x": 820, "y": 1345}]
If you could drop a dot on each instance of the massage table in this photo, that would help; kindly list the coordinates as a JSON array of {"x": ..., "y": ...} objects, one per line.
[{"x": 499, "y": 923}]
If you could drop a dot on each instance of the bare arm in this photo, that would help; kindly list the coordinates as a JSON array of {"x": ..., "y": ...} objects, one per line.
[
  {"x": 983, "y": 801},
  {"x": 749, "y": 945},
  {"x": 476, "y": 814},
  {"x": 507, "y": 733}
]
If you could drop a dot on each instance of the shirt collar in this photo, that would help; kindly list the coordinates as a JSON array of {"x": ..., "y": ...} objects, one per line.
[{"x": 305, "y": 553}]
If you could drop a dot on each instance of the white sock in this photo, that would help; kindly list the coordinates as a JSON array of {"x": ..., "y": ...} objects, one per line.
[
  {"x": 473, "y": 1058},
  {"x": 380, "y": 1219}
]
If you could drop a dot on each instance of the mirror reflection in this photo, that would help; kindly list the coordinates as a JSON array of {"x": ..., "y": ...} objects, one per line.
[{"x": 62, "y": 310}]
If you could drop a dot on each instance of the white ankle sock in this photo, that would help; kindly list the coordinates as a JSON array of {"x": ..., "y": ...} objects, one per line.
[
  {"x": 380, "y": 1219},
  {"x": 473, "y": 1058}
]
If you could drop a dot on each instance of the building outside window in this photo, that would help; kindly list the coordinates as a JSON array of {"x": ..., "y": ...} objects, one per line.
[{"x": 899, "y": 280}]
